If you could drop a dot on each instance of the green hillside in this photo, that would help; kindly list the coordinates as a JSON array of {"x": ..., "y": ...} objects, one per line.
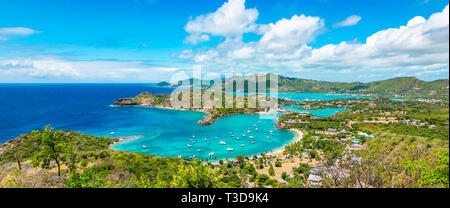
[{"x": 400, "y": 87}]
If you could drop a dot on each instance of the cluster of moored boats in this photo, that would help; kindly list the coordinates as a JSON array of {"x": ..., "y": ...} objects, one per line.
[
  {"x": 249, "y": 130},
  {"x": 211, "y": 154}
]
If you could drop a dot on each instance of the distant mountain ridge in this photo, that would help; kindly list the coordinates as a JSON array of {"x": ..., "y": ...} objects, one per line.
[{"x": 408, "y": 87}]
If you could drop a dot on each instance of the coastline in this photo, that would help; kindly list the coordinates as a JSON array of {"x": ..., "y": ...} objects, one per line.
[{"x": 298, "y": 135}]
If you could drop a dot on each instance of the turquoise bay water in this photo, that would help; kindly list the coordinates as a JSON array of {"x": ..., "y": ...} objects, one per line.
[
  {"x": 87, "y": 108},
  {"x": 314, "y": 96},
  {"x": 172, "y": 131},
  {"x": 397, "y": 99}
]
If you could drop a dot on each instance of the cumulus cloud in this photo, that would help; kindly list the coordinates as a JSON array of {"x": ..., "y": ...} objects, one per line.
[
  {"x": 7, "y": 33},
  {"x": 420, "y": 45},
  {"x": 288, "y": 34},
  {"x": 285, "y": 39},
  {"x": 55, "y": 68},
  {"x": 350, "y": 21},
  {"x": 232, "y": 19}
]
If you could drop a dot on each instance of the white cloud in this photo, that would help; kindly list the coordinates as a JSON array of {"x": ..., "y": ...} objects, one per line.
[
  {"x": 54, "y": 68},
  {"x": 417, "y": 45},
  {"x": 7, "y": 33},
  {"x": 232, "y": 19},
  {"x": 350, "y": 21},
  {"x": 421, "y": 45},
  {"x": 196, "y": 38},
  {"x": 288, "y": 34}
]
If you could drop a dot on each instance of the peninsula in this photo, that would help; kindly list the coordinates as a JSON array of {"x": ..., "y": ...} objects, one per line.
[{"x": 210, "y": 107}]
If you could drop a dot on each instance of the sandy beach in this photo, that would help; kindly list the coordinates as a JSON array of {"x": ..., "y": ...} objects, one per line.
[{"x": 298, "y": 137}]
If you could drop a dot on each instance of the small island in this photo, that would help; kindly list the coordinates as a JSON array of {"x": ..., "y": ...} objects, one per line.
[{"x": 163, "y": 84}]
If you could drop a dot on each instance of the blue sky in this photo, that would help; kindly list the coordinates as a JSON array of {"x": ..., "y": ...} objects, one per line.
[{"x": 149, "y": 40}]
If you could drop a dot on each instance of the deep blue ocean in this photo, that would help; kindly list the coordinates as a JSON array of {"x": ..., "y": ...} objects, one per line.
[{"x": 87, "y": 108}]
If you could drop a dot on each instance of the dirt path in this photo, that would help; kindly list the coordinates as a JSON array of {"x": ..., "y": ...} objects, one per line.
[{"x": 396, "y": 148}]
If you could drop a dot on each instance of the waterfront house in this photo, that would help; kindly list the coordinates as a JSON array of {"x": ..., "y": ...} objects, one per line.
[
  {"x": 344, "y": 131},
  {"x": 331, "y": 130},
  {"x": 317, "y": 170},
  {"x": 303, "y": 114},
  {"x": 356, "y": 159},
  {"x": 356, "y": 141}
]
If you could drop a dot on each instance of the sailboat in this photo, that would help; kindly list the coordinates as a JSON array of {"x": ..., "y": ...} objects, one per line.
[
  {"x": 144, "y": 147},
  {"x": 222, "y": 142}
]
